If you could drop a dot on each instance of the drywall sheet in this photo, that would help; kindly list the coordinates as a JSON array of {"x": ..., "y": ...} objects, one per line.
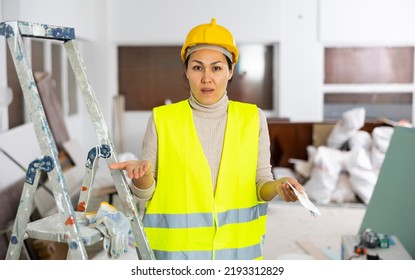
[
  {"x": 53, "y": 111},
  {"x": 391, "y": 209}
]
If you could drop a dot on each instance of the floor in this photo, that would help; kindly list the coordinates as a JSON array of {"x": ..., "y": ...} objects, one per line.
[
  {"x": 291, "y": 228},
  {"x": 293, "y": 233}
]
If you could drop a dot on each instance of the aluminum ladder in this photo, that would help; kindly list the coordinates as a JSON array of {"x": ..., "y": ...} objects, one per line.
[{"x": 67, "y": 225}]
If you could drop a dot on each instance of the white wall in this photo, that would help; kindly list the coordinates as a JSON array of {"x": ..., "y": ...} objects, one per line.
[
  {"x": 78, "y": 14},
  {"x": 301, "y": 69},
  {"x": 367, "y": 22},
  {"x": 3, "y": 80},
  {"x": 302, "y": 28},
  {"x": 167, "y": 22}
]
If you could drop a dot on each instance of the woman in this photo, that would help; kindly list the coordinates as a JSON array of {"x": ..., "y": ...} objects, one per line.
[{"x": 205, "y": 167}]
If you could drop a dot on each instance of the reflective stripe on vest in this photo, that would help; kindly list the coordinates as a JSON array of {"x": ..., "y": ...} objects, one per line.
[
  {"x": 255, "y": 252},
  {"x": 184, "y": 220},
  {"x": 205, "y": 219}
]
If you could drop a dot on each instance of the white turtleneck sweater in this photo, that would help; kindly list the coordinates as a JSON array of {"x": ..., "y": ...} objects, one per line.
[{"x": 210, "y": 123}]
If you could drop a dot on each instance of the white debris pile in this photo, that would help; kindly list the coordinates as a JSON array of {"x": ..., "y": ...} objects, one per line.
[{"x": 347, "y": 168}]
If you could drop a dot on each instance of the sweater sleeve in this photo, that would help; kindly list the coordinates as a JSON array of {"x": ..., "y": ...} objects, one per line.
[
  {"x": 143, "y": 194},
  {"x": 149, "y": 152},
  {"x": 264, "y": 171}
]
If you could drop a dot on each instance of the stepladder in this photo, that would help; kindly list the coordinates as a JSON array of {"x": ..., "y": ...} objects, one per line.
[{"x": 68, "y": 225}]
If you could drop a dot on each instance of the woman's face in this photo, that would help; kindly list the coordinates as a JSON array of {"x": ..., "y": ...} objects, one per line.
[{"x": 208, "y": 74}]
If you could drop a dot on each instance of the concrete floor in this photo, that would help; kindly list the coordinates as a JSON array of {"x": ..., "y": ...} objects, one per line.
[{"x": 290, "y": 227}]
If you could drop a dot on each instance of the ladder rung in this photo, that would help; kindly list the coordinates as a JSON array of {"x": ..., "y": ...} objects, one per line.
[
  {"x": 37, "y": 30},
  {"x": 50, "y": 228}
]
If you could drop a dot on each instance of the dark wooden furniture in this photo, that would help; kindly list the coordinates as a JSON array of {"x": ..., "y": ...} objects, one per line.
[{"x": 290, "y": 139}]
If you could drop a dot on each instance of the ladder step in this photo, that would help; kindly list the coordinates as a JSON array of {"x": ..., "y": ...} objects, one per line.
[
  {"x": 50, "y": 228},
  {"x": 37, "y": 30}
]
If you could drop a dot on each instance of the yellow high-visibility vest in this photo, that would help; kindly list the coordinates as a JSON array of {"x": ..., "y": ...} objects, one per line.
[{"x": 185, "y": 219}]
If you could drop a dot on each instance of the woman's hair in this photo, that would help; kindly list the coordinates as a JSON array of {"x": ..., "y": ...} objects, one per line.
[{"x": 186, "y": 62}]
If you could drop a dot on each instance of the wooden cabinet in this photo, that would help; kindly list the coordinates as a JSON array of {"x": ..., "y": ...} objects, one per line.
[{"x": 290, "y": 139}]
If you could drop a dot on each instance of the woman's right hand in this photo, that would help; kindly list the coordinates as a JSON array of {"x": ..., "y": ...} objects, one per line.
[{"x": 135, "y": 168}]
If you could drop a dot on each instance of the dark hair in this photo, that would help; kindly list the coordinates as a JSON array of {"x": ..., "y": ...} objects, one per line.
[{"x": 186, "y": 62}]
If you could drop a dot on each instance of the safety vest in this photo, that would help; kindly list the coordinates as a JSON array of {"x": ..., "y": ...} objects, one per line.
[{"x": 185, "y": 219}]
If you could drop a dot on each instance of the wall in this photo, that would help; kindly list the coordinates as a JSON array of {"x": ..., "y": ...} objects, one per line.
[
  {"x": 301, "y": 71},
  {"x": 368, "y": 22},
  {"x": 78, "y": 14},
  {"x": 167, "y": 22}
]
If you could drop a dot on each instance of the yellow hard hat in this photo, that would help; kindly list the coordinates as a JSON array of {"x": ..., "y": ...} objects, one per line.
[{"x": 211, "y": 34}]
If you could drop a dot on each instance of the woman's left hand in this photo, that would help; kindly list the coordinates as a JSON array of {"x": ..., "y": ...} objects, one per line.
[{"x": 285, "y": 192}]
